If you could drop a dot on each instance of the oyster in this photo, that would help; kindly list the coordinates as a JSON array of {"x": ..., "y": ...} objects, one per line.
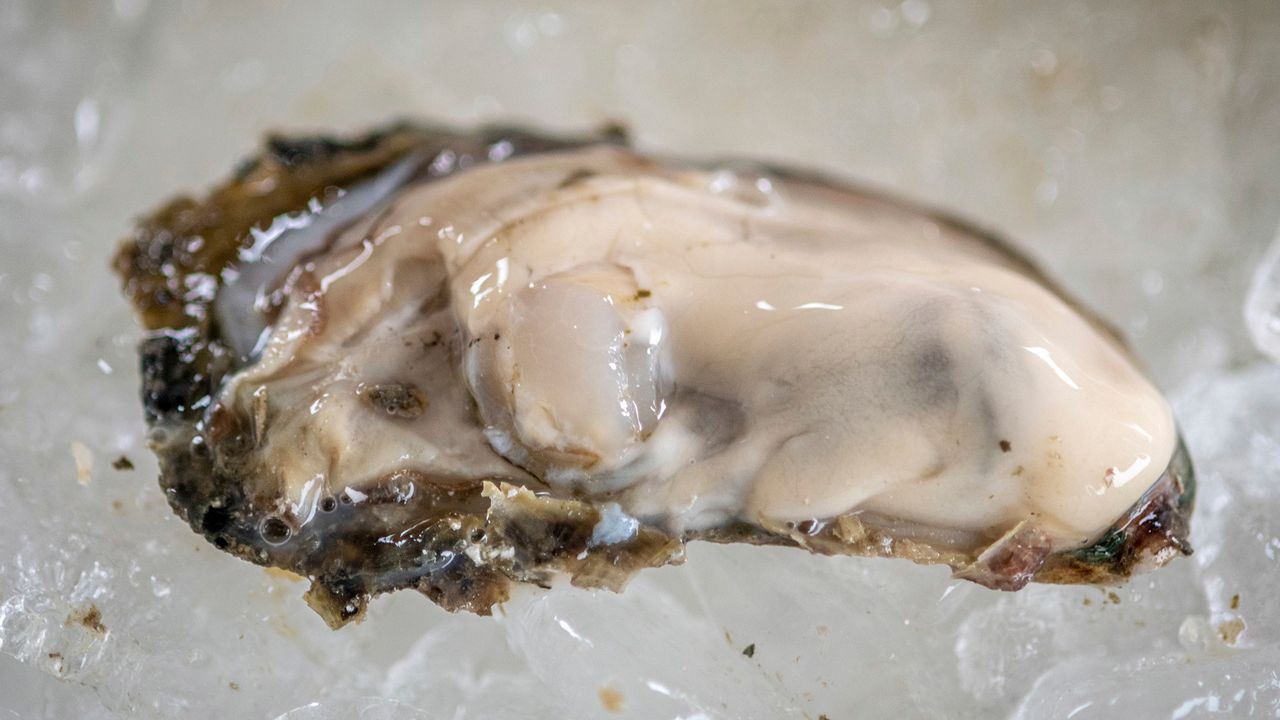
[{"x": 456, "y": 361}]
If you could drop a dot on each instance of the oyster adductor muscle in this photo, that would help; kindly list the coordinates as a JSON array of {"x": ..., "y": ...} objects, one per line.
[{"x": 453, "y": 361}]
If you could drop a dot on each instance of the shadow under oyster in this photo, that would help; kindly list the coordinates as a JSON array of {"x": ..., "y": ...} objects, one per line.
[{"x": 453, "y": 361}]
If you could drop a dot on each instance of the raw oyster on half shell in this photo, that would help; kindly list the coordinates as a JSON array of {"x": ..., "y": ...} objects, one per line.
[{"x": 455, "y": 361}]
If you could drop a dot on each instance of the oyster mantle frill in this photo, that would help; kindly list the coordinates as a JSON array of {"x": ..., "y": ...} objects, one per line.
[{"x": 453, "y": 361}]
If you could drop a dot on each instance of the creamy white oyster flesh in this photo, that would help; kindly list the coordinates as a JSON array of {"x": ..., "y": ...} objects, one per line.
[{"x": 700, "y": 347}]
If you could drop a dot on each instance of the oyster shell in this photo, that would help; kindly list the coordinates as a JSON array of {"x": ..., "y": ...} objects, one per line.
[{"x": 456, "y": 361}]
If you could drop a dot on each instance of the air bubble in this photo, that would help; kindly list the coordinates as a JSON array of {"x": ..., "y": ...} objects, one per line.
[{"x": 275, "y": 531}]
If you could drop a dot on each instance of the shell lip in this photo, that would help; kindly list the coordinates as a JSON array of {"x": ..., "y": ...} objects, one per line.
[{"x": 1155, "y": 530}]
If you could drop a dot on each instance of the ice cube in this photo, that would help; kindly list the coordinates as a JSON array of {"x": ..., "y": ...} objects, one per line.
[
  {"x": 370, "y": 708},
  {"x": 66, "y": 95},
  {"x": 1262, "y": 306},
  {"x": 464, "y": 669},
  {"x": 1003, "y": 649},
  {"x": 1233, "y": 427},
  {"x": 650, "y": 651},
  {"x": 33, "y": 694},
  {"x": 1144, "y": 685}
]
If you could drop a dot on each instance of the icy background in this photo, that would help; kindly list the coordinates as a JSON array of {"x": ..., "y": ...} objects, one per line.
[{"x": 1133, "y": 148}]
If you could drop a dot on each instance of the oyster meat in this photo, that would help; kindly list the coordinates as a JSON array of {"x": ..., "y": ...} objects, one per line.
[{"x": 456, "y": 361}]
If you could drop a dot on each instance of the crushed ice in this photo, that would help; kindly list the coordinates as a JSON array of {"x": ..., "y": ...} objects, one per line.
[
  {"x": 1262, "y": 307},
  {"x": 111, "y": 608}
]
